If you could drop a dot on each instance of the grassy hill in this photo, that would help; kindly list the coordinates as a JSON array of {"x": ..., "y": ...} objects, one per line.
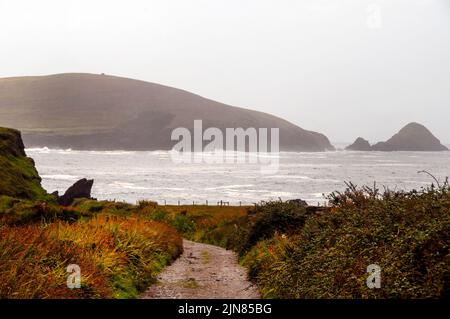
[{"x": 88, "y": 111}]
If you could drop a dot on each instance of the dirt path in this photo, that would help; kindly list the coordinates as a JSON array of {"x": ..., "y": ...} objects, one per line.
[{"x": 203, "y": 272}]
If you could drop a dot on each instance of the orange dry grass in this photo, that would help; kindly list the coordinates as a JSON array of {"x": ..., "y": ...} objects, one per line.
[
  {"x": 118, "y": 257},
  {"x": 210, "y": 216}
]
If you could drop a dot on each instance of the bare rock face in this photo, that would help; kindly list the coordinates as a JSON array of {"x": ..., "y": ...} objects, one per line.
[
  {"x": 11, "y": 143},
  {"x": 81, "y": 189},
  {"x": 360, "y": 145},
  {"x": 413, "y": 137}
]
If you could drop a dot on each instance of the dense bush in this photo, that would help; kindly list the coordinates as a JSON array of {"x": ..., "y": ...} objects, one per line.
[
  {"x": 183, "y": 224},
  {"x": 270, "y": 218},
  {"x": 405, "y": 233}
]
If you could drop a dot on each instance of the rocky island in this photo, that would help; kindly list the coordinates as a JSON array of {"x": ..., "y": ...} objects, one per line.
[
  {"x": 414, "y": 137},
  {"x": 360, "y": 145}
]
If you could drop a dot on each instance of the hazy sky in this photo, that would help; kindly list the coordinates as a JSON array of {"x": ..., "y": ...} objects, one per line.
[{"x": 345, "y": 68}]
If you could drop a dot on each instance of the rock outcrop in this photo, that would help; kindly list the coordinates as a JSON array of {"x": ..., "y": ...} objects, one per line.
[
  {"x": 18, "y": 175},
  {"x": 360, "y": 145},
  {"x": 299, "y": 202},
  {"x": 11, "y": 143},
  {"x": 414, "y": 137},
  {"x": 81, "y": 189}
]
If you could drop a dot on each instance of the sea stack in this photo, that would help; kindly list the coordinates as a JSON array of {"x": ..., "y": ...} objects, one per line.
[
  {"x": 360, "y": 145},
  {"x": 414, "y": 137},
  {"x": 81, "y": 189}
]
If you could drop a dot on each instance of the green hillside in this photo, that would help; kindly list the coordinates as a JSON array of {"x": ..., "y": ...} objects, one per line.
[
  {"x": 102, "y": 112},
  {"x": 18, "y": 175}
]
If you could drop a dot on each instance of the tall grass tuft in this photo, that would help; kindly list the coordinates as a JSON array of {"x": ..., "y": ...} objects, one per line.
[{"x": 119, "y": 257}]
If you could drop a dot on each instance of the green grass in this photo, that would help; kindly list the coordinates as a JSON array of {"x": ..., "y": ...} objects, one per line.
[
  {"x": 89, "y": 206},
  {"x": 18, "y": 175},
  {"x": 19, "y": 178},
  {"x": 20, "y": 212}
]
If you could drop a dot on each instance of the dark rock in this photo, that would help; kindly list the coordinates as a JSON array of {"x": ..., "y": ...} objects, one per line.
[
  {"x": 360, "y": 145},
  {"x": 413, "y": 137},
  {"x": 315, "y": 209},
  {"x": 11, "y": 143},
  {"x": 299, "y": 202},
  {"x": 81, "y": 189}
]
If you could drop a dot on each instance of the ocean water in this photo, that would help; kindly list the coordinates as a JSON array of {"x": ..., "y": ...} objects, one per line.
[{"x": 132, "y": 176}]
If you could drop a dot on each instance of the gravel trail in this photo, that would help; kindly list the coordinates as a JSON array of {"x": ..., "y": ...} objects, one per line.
[{"x": 203, "y": 272}]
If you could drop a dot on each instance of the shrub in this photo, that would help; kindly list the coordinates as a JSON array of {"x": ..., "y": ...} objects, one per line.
[
  {"x": 271, "y": 218},
  {"x": 158, "y": 215},
  {"x": 405, "y": 233},
  {"x": 146, "y": 203},
  {"x": 183, "y": 224}
]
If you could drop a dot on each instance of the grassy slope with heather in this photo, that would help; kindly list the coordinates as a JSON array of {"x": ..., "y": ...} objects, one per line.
[
  {"x": 119, "y": 251},
  {"x": 119, "y": 256}
]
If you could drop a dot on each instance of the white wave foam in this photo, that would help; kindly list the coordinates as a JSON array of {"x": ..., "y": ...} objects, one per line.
[
  {"x": 127, "y": 186},
  {"x": 229, "y": 187},
  {"x": 60, "y": 177}
]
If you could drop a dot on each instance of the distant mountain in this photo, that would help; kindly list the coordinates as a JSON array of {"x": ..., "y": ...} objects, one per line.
[
  {"x": 86, "y": 111},
  {"x": 413, "y": 137}
]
